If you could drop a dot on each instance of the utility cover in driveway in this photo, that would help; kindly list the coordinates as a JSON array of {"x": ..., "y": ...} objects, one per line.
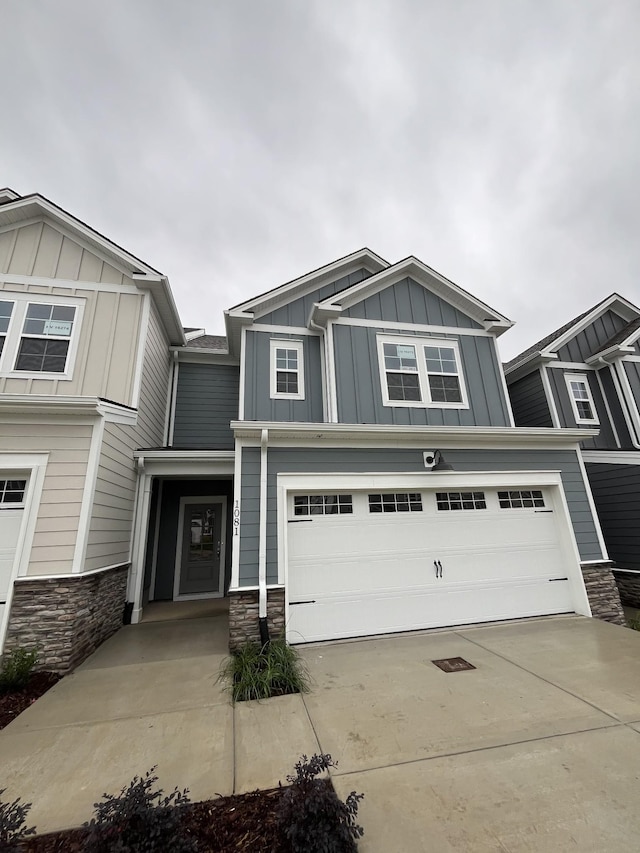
[{"x": 453, "y": 664}]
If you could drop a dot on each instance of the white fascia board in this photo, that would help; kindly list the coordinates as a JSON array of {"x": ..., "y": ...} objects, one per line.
[
  {"x": 612, "y": 457},
  {"x": 532, "y": 362},
  {"x": 14, "y": 212},
  {"x": 607, "y": 356},
  {"x": 160, "y": 289},
  {"x": 25, "y": 404},
  {"x": 171, "y": 454},
  {"x": 196, "y": 333},
  {"x": 371, "y": 435},
  {"x": 199, "y": 355},
  {"x": 266, "y": 302},
  {"x": 423, "y": 274}
]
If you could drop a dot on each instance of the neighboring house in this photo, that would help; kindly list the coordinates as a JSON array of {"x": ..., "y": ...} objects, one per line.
[
  {"x": 345, "y": 463},
  {"x": 85, "y": 332},
  {"x": 586, "y": 374}
]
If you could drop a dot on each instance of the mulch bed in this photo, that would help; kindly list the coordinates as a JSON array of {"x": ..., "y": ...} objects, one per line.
[
  {"x": 14, "y": 703},
  {"x": 244, "y": 822}
]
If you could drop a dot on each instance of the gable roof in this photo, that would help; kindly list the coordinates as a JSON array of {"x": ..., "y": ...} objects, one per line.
[
  {"x": 547, "y": 346},
  {"x": 412, "y": 267},
  {"x": 624, "y": 337},
  {"x": 16, "y": 210},
  {"x": 313, "y": 280}
]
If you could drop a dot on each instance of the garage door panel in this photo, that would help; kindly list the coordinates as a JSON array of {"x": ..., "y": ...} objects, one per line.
[
  {"x": 371, "y": 572},
  {"x": 398, "y": 609},
  {"x": 10, "y": 521}
]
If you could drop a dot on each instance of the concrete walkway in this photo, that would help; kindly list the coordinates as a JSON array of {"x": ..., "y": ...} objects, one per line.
[{"x": 537, "y": 749}]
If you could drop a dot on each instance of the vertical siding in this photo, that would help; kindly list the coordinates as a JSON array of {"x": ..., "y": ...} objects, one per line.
[
  {"x": 59, "y": 511},
  {"x": 206, "y": 401},
  {"x": 632, "y": 370},
  {"x": 565, "y": 413},
  {"x": 41, "y": 250},
  {"x": 410, "y": 302},
  {"x": 297, "y": 460},
  {"x": 108, "y": 341},
  {"x": 296, "y": 313},
  {"x": 360, "y": 395},
  {"x": 616, "y": 491},
  {"x": 258, "y": 404},
  {"x": 616, "y": 409},
  {"x": 529, "y": 401},
  {"x": 592, "y": 338}
]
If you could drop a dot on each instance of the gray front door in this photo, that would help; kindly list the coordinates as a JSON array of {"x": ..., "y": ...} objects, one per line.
[{"x": 202, "y": 549}]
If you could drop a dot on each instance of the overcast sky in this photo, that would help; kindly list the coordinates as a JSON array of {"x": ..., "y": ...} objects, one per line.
[{"x": 237, "y": 144}]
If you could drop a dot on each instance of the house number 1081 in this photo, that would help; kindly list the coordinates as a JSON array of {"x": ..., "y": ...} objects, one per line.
[{"x": 236, "y": 519}]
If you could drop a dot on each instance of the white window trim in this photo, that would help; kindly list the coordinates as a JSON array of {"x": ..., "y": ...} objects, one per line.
[
  {"x": 298, "y": 346},
  {"x": 14, "y": 334},
  {"x": 423, "y": 375},
  {"x": 581, "y": 377}
]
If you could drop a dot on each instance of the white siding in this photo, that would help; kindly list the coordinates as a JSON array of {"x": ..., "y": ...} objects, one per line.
[
  {"x": 112, "y": 515},
  {"x": 57, "y": 525},
  {"x": 105, "y": 362}
]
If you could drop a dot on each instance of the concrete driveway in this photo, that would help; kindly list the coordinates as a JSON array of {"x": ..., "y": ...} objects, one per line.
[{"x": 536, "y": 749}]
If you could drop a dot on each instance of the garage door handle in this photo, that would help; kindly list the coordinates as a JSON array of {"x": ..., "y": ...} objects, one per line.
[
  {"x": 438, "y": 567},
  {"x": 299, "y": 520},
  {"x": 291, "y": 603},
  {"x": 551, "y": 580}
]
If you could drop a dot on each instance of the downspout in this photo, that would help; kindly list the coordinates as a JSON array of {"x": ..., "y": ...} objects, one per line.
[{"x": 262, "y": 548}]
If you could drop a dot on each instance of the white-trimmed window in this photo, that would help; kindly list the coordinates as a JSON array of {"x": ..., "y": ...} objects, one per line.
[
  {"x": 584, "y": 410},
  {"x": 6, "y": 310},
  {"x": 287, "y": 370},
  {"x": 38, "y": 335},
  {"x": 460, "y": 500},
  {"x": 322, "y": 505},
  {"x": 396, "y": 502},
  {"x": 422, "y": 372}
]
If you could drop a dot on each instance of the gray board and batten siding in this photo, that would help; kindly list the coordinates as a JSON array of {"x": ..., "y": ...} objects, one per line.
[
  {"x": 615, "y": 408},
  {"x": 616, "y": 492},
  {"x": 363, "y": 461},
  {"x": 258, "y": 405},
  {"x": 296, "y": 312},
  {"x": 593, "y": 338},
  {"x": 206, "y": 402},
  {"x": 359, "y": 390},
  {"x": 606, "y": 438},
  {"x": 410, "y": 302},
  {"x": 632, "y": 369},
  {"x": 529, "y": 401}
]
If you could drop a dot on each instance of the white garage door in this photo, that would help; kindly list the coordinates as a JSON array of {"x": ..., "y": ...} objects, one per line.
[
  {"x": 11, "y": 511},
  {"x": 369, "y": 562}
]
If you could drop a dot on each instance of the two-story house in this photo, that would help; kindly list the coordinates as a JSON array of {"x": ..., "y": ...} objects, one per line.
[
  {"x": 85, "y": 370},
  {"x": 345, "y": 463},
  {"x": 587, "y": 374}
]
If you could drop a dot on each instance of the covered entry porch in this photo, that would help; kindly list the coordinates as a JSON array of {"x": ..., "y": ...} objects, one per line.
[{"x": 183, "y": 530}]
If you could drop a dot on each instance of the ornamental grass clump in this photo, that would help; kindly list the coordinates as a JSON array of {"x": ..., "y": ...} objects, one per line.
[
  {"x": 259, "y": 671},
  {"x": 16, "y": 669}
]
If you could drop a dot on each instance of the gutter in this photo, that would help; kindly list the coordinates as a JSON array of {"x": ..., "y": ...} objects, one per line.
[{"x": 262, "y": 547}]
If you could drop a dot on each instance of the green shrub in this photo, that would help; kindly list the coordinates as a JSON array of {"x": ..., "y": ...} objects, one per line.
[
  {"x": 312, "y": 817},
  {"x": 16, "y": 669},
  {"x": 258, "y": 672},
  {"x": 139, "y": 820},
  {"x": 634, "y": 623},
  {"x": 12, "y": 824}
]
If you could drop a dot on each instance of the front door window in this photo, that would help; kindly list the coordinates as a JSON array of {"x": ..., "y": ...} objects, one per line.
[{"x": 200, "y": 566}]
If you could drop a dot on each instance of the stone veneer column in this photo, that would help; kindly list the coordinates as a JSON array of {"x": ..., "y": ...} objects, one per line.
[
  {"x": 67, "y": 618},
  {"x": 602, "y": 592},
  {"x": 243, "y": 616},
  {"x": 629, "y": 587}
]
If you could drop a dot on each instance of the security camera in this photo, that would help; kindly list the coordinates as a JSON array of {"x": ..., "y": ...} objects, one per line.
[{"x": 430, "y": 459}]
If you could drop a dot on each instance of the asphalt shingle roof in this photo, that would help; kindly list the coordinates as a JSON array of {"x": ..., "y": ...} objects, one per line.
[{"x": 213, "y": 342}]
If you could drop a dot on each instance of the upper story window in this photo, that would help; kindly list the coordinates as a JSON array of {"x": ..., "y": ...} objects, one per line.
[
  {"x": 38, "y": 335},
  {"x": 287, "y": 370},
  {"x": 6, "y": 310},
  {"x": 421, "y": 372},
  {"x": 584, "y": 410}
]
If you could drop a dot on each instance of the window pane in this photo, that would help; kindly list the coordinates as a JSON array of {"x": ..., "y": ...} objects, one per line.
[
  {"x": 403, "y": 386},
  {"x": 286, "y": 383},
  {"x": 42, "y": 355},
  {"x": 445, "y": 389},
  {"x": 39, "y": 311},
  {"x": 5, "y": 315},
  {"x": 400, "y": 357}
]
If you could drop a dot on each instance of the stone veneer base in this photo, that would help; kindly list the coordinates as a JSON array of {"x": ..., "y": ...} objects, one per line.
[
  {"x": 67, "y": 618},
  {"x": 629, "y": 587},
  {"x": 243, "y": 616},
  {"x": 602, "y": 592}
]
